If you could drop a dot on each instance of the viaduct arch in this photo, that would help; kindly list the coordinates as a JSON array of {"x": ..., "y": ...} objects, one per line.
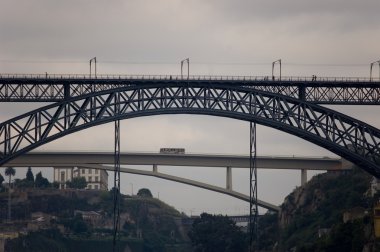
[{"x": 347, "y": 137}]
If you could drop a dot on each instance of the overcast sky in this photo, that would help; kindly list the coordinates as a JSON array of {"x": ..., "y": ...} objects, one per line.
[{"x": 326, "y": 38}]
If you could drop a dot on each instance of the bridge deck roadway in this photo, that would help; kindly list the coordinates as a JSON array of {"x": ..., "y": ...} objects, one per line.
[
  {"x": 322, "y": 90},
  {"x": 99, "y": 160},
  {"x": 56, "y": 159}
]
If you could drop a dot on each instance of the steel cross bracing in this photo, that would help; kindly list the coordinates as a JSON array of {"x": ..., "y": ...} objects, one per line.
[
  {"x": 253, "y": 210},
  {"x": 349, "y": 138},
  {"x": 54, "y": 88},
  {"x": 116, "y": 187}
]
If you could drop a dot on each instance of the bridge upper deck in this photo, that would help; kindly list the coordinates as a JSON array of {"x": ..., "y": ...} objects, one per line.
[{"x": 321, "y": 90}]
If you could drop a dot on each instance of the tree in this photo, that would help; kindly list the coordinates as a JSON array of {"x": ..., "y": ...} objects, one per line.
[
  {"x": 77, "y": 183},
  {"x": 78, "y": 225},
  {"x": 29, "y": 175},
  {"x": 1, "y": 179},
  {"x": 144, "y": 192},
  {"x": 55, "y": 184},
  {"x": 214, "y": 233},
  {"x": 1, "y": 183},
  {"x": 10, "y": 171},
  {"x": 23, "y": 183},
  {"x": 41, "y": 182}
]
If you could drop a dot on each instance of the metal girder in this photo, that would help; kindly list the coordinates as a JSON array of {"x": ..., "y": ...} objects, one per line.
[
  {"x": 55, "y": 88},
  {"x": 349, "y": 138},
  {"x": 116, "y": 187},
  {"x": 253, "y": 209}
]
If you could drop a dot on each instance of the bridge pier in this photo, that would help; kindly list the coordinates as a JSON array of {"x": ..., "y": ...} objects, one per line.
[
  {"x": 155, "y": 170},
  {"x": 229, "y": 178},
  {"x": 303, "y": 177}
]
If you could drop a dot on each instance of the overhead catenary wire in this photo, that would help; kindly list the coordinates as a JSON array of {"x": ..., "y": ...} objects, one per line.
[{"x": 170, "y": 62}]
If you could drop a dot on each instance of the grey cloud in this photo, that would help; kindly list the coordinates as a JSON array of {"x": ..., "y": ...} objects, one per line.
[{"x": 156, "y": 30}]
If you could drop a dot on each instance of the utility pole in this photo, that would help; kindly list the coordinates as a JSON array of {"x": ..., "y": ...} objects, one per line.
[
  {"x": 187, "y": 60},
  {"x": 93, "y": 60},
  {"x": 370, "y": 69},
  {"x": 273, "y": 63}
]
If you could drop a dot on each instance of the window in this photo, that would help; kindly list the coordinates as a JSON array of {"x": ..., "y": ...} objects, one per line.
[
  {"x": 96, "y": 179},
  {"x": 89, "y": 171},
  {"x": 90, "y": 179},
  {"x": 96, "y": 171},
  {"x": 96, "y": 187},
  {"x": 63, "y": 176},
  {"x": 83, "y": 171},
  {"x": 89, "y": 187}
]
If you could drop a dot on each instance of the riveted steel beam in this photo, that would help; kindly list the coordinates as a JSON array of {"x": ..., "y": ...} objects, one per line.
[{"x": 349, "y": 138}]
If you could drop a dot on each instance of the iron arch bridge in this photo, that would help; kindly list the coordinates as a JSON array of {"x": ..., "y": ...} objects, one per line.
[{"x": 349, "y": 138}]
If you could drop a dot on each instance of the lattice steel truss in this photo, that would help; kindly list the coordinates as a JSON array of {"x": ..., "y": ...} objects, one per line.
[
  {"x": 38, "y": 88},
  {"x": 116, "y": 187},
  {"x": 349, "y": 138},
  {"x": 253, "y": 209}
]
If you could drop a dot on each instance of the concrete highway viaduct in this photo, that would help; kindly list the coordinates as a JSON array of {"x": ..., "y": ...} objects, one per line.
[{"x": 104, "y": 160}]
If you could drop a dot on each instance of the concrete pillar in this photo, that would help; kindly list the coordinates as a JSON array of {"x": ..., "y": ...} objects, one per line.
[
  {"x": 229, "y": 178},
  {"x": 303, "y": 177},
  {"x": 155, "y": 168}
]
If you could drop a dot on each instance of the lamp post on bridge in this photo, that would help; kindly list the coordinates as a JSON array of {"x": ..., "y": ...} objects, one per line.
[
  {"x": 370, "y": 70},
  {"x": 91, "y": 60},
  {"x": 273, "y": 63},
  {"x": 188, "y": 67}
]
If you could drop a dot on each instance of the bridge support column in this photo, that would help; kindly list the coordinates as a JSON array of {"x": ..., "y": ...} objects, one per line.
[
  {"x": 155, "y": 170},
  {"x": 229, "y": 178},
  {"x": 303, "y": 177}
]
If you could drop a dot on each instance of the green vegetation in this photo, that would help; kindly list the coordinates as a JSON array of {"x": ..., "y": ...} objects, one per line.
[
  {"x": 10, "y": 171},
  {"x": 150, "y": 225},
  {"x": 30, "y": 182},
  {"x": 29, "y": 175},
  {"x": 320, "y": 204},
  {"x": 53, "y": 240},
  {"x": 343, "y": 237},
  {"x": 46, "y": 240},
  {"x": 144, "y": 192},
  {"x": 147, "y": 223},
  {"x": 77, "y": 183},
  {"x": 217, "y": 233},
  {"x": 76, "y": 224},
  {"x": 268, "y": 230},
  {"x": 152, "y": 218},
  {"x": 1, "y": 183},
  {"x": 41, "y": 182}
]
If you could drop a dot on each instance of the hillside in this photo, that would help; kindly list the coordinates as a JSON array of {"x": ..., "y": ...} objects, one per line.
[
  {"x": 311, "y": 217},
  {"x": 63, "y": 219}
]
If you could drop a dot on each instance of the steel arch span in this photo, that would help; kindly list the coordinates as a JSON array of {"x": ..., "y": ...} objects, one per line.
[{"x": 349, "y": 138}]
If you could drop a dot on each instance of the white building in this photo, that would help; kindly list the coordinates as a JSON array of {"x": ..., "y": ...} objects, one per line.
[{"x": 95, "y": 178}]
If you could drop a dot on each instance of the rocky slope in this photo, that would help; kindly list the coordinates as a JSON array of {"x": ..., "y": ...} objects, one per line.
[
  {"x": 311, "y": 217},
  {"x": 78, "y": 217}
]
